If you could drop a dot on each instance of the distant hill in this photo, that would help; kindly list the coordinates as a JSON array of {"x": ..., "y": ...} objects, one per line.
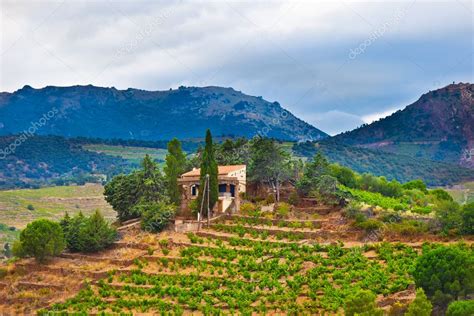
[
  {"x": 438, "y": 126},
  {"x": 185, "y": 113},
  {"x": 390, "y": 165},
  {"x": 54, "y": 160}
]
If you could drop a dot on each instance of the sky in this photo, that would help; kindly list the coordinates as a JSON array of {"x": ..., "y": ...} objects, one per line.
[{"x": 335, "y": 64}]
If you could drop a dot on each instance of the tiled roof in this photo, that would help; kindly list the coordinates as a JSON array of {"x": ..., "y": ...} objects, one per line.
[{"x": 222, "y": 170}]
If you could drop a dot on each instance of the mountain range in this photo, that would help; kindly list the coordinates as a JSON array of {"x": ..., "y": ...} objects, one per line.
[
  {"x": 431, "y": 139},
  {"x": 186, "y": 113}
]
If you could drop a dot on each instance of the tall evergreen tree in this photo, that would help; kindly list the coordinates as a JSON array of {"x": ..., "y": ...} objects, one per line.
[
  {"x": 208, "y": 166},
  {"x": 152, "y": 184},
  {"x": 175, "y": 166}
]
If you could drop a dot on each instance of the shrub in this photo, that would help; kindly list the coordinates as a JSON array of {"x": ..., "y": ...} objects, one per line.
[
  {"x": 352, "y": 209},
  {"x": 369, "y": 225},
  {"x": 194, "y": 206},
  {"x": 40, "y": 239},
  {"x": 449, "y": 216},
  {"x": 397, "y": 309},
  {"x": 270, "y": 199},
  {"x": 415, "y": 184},
  {"x": 460, "y": 308},
  {"x": 408, "y": 228},
  {"x": 441, "y": 195},
  {"x": 361, "y": 302},
  {"x": 390, "y": 217},
  {"x": 156, "y": 216},
  {"x": 71, "y": 227},
  {"x": 247, "y": 207},
  {"x": 283, "y": 209},
  {"x": 87, "y": 234},
  {"x": 421, "y": 306},
  {"x": 96, "y": 234},
  {"x": 30, "y": 207},
  {"x": 445, "y": 273}
]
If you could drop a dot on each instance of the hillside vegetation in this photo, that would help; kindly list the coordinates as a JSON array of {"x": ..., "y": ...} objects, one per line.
[
  {"x": 329, "y": 245},
  {"x": 396, "y": 166},
  {"x": 186, "y": 112},
  {"x": 438, "y": 126}
]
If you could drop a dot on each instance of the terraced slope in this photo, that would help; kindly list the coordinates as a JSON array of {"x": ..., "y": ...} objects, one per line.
[{"x": 242, "y": 264}]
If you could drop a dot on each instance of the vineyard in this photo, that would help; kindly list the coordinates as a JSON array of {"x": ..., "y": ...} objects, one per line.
[
  {"x": 296, "y": 260},
  {"x": 240, "y": 265}
]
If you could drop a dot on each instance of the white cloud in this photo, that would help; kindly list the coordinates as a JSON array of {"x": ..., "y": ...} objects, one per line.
[{"x": 369, "y": 118}]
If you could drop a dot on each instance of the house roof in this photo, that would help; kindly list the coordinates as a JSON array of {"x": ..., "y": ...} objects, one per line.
[{"x": 222, "y": 170}]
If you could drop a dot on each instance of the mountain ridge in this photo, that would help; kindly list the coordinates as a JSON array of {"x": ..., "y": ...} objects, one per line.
[
  {"x": 438, "y": 126},
  {"x": 185, "y": 112}
]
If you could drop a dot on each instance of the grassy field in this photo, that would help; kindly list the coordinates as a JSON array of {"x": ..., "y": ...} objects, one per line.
[
  {"x": 133, "y": 154},
  {"x": 462, "y": 193},
  {"x": 19, "y": 207}
]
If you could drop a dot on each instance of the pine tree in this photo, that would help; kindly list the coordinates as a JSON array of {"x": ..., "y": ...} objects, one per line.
[
  {"x": 208, "y": 166},
  {"x": 151, "y": 181},
  {"x": 95, "y": 233},
  {"x": 175, "y": 166},
  {"x": 421, "y": 306}
]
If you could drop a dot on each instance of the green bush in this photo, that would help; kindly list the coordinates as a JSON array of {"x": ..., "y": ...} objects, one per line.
[
  {"x": 87, "y": 234},
  {"x": 352, "y": 210},
  {"x": 415, "y": 184},
  {"x": 247, "y": 208},
  {"x": 156, "y": 216},
  {"x": 391, "y": 217},
  {"x": 441, "y": 195},
  {"x": 461, "y": 308},
  {"x": 283, "y": 209},
  {"x": 420, "y": 306},
  {"x": 408, "y": 228},
  {"x": 449, "y": 216},
  {"x": 361, "y": 302},
  {"x": 40, "y": 239},
  {"x": 445, "y": 273},
  {"x": 30, "y": 207},
  {"x": 194, "y": 206},
  {"x": 369, "y": 225}
]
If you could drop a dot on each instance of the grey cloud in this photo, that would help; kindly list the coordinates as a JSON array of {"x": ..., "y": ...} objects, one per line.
[{"x": 292, "y": 52}]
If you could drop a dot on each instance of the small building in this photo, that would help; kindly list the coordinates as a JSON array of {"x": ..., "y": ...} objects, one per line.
[{"x": 232, "y": 182}]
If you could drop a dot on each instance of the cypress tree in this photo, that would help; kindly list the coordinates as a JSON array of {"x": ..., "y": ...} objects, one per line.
[
  {"x": 175, "y": 165},
  {"x": 208, "y": 166}
]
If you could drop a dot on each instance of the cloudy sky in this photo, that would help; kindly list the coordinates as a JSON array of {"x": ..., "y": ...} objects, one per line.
[{"x": 335, "y": 64}]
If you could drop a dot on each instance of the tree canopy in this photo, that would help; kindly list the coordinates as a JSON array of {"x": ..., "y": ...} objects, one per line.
[
  {"x": 40, "y": 239},
  {"x": 269, "y": 164},
  {"x": 445, "y": 273},
  {"x": 175, "y": 167}
]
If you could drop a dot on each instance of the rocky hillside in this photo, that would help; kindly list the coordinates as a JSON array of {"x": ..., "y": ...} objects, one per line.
[
  {"x": 439, "y": 126},
  {"x": 147, "y": 115}
]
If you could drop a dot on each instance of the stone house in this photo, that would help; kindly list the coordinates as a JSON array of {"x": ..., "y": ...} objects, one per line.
[{"x": 232, "y": 181}]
